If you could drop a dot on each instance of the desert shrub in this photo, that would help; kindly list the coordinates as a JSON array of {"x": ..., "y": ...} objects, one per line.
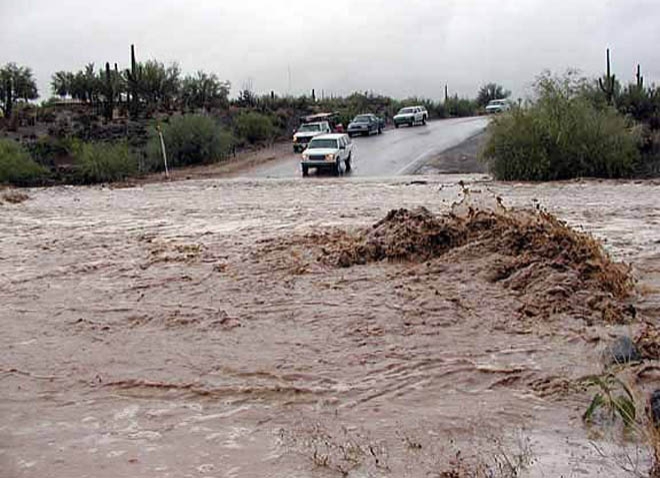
[
  {"x": 642, "y": 104},
  {"x": 460, "y": 107},
  {"x": 45, "y": 150},
  {"x": 255, "y": 127},
  {"x": 104, "y": 162},
  {"x": 649, "y": 166},
  {"x": 561, "y": 135},
  {"x": 189, "y": 139},
  {"x": 16, "y": 165}
]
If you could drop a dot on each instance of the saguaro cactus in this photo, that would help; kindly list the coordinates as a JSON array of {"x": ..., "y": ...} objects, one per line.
[
  {"x": 609, "y": 85},
  {"x": 640, "y": 78},
  {"x": 133, "y": 76},
  {"x": 109, "y": 93}
]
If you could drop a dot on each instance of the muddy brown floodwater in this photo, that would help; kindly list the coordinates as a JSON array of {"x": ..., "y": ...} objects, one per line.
[{"x": 189, "y": 330}]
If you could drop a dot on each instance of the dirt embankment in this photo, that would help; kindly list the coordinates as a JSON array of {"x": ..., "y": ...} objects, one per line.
[{"x": 461, "y": 159}]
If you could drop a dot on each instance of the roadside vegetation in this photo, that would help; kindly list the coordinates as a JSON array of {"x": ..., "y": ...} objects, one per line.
[
  {"x": 561, "y": 135},
  {"x": 16, "y": 165},
  {"x": 573, "y": 127},
  {"x": 101, "y": 124},
  {"x": 189, "y": 140},
  {"x": 103, "y": 163},
  {"x": 576, "y": 127}
]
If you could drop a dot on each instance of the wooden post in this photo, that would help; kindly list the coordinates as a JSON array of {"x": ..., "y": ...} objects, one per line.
[{"x": 162, "y": 148}]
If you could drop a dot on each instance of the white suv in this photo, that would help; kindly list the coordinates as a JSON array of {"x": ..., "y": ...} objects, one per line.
[
  {"x": 411, "y": 115},
  {"x": 498, "y": 106},
  {"x": 328, "y": 151},
  {"x": 306, "y": 132}
]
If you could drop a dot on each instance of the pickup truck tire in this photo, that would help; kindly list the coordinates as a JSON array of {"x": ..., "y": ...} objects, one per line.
[
  {"x": 305, "y": 171},
  {"x": 336, "y": 170},
  {"x": 424, "y": 121},
  {"x": 380, "y": 130},
  {"x": 412, "y": 123},
  {"x": 348, "y": 163},
  {"x": 396, "y": 125}
]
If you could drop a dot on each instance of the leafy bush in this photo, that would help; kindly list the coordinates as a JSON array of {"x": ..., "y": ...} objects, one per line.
[
  {"x": 16, "y": 165},
  {"x": 103, "y": 162},
  {"x": 45, "y": 150},
  {"x": 255, "y": 127},
  {"x": 460, "y": 107},
  {"x": 561, "y": 135},
  {"x": 189, "y": 139},
  {"x": 642, "y": 104}
]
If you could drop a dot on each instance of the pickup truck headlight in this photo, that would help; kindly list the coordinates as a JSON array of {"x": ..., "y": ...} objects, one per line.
[
  {"x": 329, "y": 157},
  {"x": 295, "y": 140}
]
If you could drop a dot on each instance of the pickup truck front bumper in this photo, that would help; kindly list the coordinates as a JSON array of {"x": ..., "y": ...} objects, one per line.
[{"x": 318, "y": 163}]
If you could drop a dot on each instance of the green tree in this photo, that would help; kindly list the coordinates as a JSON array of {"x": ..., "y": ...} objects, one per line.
[
  {"x": 61, "y": 83},
  {"x": 16, "y": 84},
  {"x": 83, "y": 85},
  {"x": 204, "y": 91},
  {"x": 491, "y": 91},
  {"x": 159, "y": 84}
]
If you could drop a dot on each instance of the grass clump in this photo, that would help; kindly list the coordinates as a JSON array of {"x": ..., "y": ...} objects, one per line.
[
  {"x": 17, "y": 167},
  {"x": 561, "y": 135},
  {"x": 189, "y": 140},
  {"x": 102, "y": 162}
]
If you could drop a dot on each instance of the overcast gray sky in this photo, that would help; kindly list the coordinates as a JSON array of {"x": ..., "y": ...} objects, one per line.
[{"x": 396, "y": 47}]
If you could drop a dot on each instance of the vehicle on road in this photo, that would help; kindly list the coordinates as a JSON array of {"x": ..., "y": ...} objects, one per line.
[
  {"x": 498, "y": 106},
  {"x": 366, "y": 124},
  {"x": 411, "y": 115},
  {"x": 328, "y": 151},
  {"x": 306, "y": 132}
]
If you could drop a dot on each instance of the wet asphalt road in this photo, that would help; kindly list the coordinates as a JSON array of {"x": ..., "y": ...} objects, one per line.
[{"x": 395, "y": 152}]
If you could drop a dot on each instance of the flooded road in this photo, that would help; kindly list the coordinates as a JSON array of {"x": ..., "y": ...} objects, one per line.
[
  {"x": 395, "y": 152},
  {"x": 171, "y": 330}
]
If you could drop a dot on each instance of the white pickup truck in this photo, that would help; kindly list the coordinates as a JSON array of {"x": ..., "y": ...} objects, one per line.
[
  {"x": 308, "y": 131},
  {"x": 328, "y": 151}
]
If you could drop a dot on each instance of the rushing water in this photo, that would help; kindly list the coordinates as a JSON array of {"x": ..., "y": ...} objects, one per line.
[{"x": 159, "y": 331}]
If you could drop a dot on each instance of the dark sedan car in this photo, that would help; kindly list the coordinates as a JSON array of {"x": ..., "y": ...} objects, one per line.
[{"x": 366, "y": 124}]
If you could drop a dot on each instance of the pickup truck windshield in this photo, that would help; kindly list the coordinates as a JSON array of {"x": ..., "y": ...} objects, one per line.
[
  {"x": 407, "y": 111},
  {"x": 310, "y": 127},
  {"x": 322, "y": 144}
]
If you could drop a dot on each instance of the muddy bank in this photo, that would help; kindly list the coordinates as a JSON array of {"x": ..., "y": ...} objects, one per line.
[
  {"x": 187, "y": 329},
  {"x": 461, "y": 159}
]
